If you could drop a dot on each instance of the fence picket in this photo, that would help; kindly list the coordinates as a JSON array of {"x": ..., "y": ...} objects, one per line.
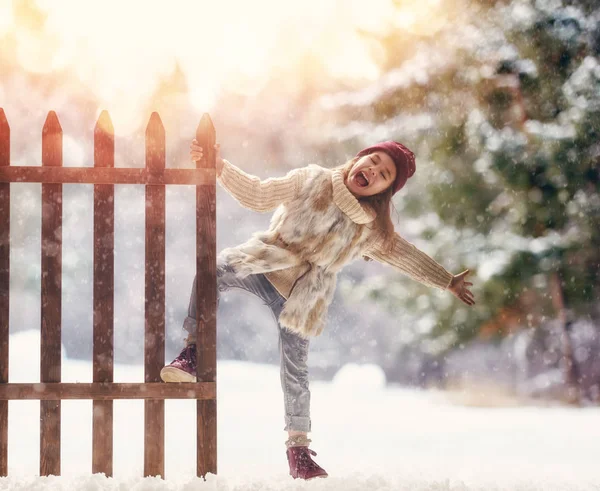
[
  {"x": 104, "y": 227},
  {"x": 50, "y": 365},
  {"x": 206, "y": 457},
  {"x": 154, "y": 345},
  {"x": 4, "y": 287}
]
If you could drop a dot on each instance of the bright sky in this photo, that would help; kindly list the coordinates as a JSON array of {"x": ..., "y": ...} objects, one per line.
[{"x": 121, "y": 49}]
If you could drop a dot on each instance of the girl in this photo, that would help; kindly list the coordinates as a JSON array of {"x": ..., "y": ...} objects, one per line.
[{"x": 324, "y": 218}]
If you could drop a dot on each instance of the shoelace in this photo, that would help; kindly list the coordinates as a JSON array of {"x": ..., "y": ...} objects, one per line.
[
  {"x": 305, "y": 459},
  {"x": 188, "y": 354}
]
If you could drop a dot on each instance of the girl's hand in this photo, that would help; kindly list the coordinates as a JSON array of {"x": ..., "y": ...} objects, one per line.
[
  {"x": 196, "y": 153},
  {"x": 458, "y": 287}
]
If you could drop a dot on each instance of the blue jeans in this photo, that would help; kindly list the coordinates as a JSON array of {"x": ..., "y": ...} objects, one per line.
[{"x": 293, "y": 349}]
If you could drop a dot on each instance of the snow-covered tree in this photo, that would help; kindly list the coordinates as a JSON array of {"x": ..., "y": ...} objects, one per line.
[{"x": 502, "y": 106}]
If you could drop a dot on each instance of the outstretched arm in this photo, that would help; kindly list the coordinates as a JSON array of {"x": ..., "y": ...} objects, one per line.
[
  {"x": 249, "y": 190},
  {"x": 259, "y": 195},
  {"x": 413, "y": 262}
]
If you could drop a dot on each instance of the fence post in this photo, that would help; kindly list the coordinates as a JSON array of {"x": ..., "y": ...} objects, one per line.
[
  {"x": 50, "y": 366},
  {"x": 154, "y": 346},
  {"x": 104, "y": 233},
  {"x": 206, "y": 283},
  {"x": 4, "y": 287}
]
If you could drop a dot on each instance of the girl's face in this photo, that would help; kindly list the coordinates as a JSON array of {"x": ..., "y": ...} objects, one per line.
[{"x": 371, "y": 174}]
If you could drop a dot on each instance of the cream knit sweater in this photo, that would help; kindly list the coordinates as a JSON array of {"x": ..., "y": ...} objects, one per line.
[{"x": 264, "y": 196}]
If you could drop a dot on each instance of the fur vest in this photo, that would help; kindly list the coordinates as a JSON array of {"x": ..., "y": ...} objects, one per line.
[{"x": 312, "y": 229}]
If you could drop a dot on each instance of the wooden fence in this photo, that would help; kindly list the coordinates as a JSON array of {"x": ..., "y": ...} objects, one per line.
[{"x": 50, "y": 391}]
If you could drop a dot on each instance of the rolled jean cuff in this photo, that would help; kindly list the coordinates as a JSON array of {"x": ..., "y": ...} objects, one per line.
[
  {"x": 297, "y": 423},
  {"x": 190, "y": 325}
]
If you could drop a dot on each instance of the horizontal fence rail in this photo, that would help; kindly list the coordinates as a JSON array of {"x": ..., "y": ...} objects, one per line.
[
  {"x": 103, "y": 390},
  {"x": 107, "y": 391},
  {"x": 91, "y": 175}
]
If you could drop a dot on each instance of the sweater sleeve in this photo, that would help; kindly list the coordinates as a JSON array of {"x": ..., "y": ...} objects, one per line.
[
  {"x": 411, "y": 261},
  {"x": 257, "y": 195}
]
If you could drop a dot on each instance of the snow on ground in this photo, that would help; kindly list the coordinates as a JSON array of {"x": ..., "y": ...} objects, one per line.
[{"x": 367, "y": 437}]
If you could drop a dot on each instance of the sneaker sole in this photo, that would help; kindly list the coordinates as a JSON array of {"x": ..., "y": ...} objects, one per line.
[
  {"x": 172, "y": 374},
  {"x": 322, "y": 476}
]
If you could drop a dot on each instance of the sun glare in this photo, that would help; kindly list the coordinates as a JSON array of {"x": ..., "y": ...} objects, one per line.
[{"x": 121, "y": 51}]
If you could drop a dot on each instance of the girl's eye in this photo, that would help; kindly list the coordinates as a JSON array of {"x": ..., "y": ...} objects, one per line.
[{"x": 382, "y": 175}]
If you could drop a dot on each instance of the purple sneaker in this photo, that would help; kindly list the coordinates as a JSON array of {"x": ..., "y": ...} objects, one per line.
[
  {"x": 302, "y": 466},
  {"x": 182, "y": 368}
]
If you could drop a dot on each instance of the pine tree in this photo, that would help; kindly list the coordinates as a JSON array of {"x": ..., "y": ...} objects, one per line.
[{"x": 504, "y": 115}]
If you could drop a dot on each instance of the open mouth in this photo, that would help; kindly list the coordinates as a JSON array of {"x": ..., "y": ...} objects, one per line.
[{"x": 361, "y": 179}]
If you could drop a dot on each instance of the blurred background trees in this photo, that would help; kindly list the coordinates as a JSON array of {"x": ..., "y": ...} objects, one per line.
[{"x": 502, "y": 106}]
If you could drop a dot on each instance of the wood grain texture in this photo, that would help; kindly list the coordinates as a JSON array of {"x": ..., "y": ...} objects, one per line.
[
  {"x": 51, "y": 289},
  {"x": 103, "y": 344},
  {"x": 154, "y": 343},
  {"x": 206, "y": 278},
  {"x": 107, "y": 391},
  {"x": 3, "y": 438},
  {"x": 91, "y": 175},
  {"x": 154, "y": 438},
  {"x": 4, "y": 286}
]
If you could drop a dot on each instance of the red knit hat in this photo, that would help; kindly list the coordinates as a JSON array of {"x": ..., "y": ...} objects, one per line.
[{"x": 402, "y": 157}]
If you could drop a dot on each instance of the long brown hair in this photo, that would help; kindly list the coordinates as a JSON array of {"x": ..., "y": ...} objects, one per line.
[{"x": 381, "y": 203}]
